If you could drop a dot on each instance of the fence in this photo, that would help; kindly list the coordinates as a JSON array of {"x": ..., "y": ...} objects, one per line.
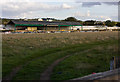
[{"x": 115, "y": 63}]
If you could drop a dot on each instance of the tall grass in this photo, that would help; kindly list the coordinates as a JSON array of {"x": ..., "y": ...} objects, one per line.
[{"x": 19, "y": 49}]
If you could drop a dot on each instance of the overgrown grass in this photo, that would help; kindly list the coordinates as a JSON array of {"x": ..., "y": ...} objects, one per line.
[
  {"x": 80, "y": 64},
  {"x": 44, "y": 62},
  {"x": 40, "y": 50}
]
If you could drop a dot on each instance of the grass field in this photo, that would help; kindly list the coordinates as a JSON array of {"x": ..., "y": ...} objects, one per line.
[{"x": 34, "y": 53}]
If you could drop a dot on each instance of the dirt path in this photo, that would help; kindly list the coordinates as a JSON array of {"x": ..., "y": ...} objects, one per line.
[
  {"x": 12, "y": 74},
  {"x": 46, "y": 74},
  {"x": 14, "y": 71}
]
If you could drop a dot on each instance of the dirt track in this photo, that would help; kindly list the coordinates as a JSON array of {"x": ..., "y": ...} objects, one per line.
[{"x": 46, "y": 74}]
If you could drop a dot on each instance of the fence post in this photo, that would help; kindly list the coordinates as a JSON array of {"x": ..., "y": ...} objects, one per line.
[
  {"x": 15, "y": 28},
  {"x": 114, "y": 62}
]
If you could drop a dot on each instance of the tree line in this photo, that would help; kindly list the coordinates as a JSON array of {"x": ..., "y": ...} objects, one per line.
[{"x": 108, "y": 23}]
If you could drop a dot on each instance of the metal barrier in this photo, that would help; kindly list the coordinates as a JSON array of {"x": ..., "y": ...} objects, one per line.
[{"x": 115, "y": 63}]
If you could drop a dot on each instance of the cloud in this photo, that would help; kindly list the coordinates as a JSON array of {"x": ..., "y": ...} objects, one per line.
[
  {"x": 88, "y": 13},
  {"x": 66, "y": 6},
  {"x": 91, "y": 3},
  {"x": 35, "y": 9},
  {"x": 111, "y": 3},
  {"x": 86, "y": 16},
  {"x": 80, "y": 1},
  {"x": 11, "y": 9}
]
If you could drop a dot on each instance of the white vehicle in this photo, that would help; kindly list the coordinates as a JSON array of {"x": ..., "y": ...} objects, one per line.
[{"x": 7, "y": 32}]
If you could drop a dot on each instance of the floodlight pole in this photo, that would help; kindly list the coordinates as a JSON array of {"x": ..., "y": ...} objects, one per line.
[
  {"x": 59, "y": 27},
  {"x": 46, "y": 27},
  {"x": 70, "y": 28},
  {"x": 81, "y": 27},
  {"x": 15, "y": 28}
]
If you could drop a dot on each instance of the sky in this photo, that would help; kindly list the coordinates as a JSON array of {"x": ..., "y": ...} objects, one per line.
[{"x": 60, "y": 9}]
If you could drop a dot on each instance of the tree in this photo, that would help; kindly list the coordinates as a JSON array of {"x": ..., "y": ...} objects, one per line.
[
  {"x": 109, "y": 23},
  {"x": 118, "y": 24},
  {"x": 99, "y": 23},
  {"x": 71, "y": 19},
  {"x": 81, "y": 22},
  {"x": 89, "y": 22}
]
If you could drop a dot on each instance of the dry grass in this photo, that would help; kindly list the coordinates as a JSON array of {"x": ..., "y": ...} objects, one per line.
[
  {"x": 54, "y": 40},
  {"x": 21, "y": 43}
]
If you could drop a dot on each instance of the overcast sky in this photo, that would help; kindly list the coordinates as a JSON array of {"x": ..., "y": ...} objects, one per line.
[{"x": 60, "y": 9}]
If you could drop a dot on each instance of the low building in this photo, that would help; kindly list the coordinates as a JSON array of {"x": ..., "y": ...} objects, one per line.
[
  {"x": 89, "y": 28},
  {"x": 16, "y": 25}
]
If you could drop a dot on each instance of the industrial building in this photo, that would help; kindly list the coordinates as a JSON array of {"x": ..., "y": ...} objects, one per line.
[{"x": 19, "y": 26}]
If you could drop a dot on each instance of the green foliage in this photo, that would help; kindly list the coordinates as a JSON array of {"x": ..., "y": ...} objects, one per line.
[
  {"x": 89, "y": 23},
  {"x": 118, "y": 24},
  {"x": 71, "y": 19},
  {"x": 110, "y": 23}
]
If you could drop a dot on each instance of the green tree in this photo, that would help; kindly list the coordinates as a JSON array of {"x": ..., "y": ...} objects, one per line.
[
  {"x": 110, "y": 23},
  {"x": 118, "y": 24},
  {"x": 81, "y": 22},
  {"x": 89, "y": 22},
  {"x": 71, "y": 19}
]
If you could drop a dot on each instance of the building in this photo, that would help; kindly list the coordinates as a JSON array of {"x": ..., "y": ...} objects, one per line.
[
  {"x": 17, "y": 25},
  {"x": 2, "y": 27},
  {"x": 47, "y": 19}
]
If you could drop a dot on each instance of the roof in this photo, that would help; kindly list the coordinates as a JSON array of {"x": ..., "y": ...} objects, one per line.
[{"x": 44, "y": 23}]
